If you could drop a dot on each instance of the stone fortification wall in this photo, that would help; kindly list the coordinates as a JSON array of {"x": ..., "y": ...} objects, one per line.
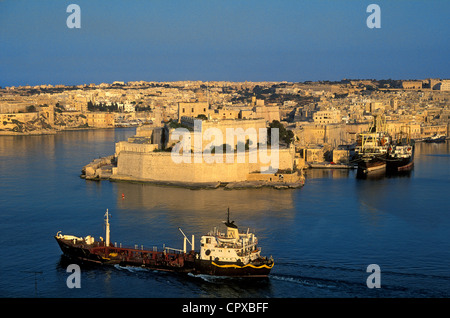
[
  {"x": 159, "y": 166},
  {"x": 134, "y": 147}
]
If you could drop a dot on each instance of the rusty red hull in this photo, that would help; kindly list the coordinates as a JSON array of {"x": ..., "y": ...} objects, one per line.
[{"x": 109, "y": 255}]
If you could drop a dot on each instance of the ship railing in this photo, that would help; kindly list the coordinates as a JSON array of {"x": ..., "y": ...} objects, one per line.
[
  {"x": 175, "y": 250},
  {"x": 230, "y": 245},
  {"x": 130, "y": 253}
]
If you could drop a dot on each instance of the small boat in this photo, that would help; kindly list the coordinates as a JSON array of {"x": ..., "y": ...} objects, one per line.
[
  {"x": 436, "y": 138},
  {"x": 221, "y": 254}
]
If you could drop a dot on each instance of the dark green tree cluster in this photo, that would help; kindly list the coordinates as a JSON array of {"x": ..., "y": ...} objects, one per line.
[
  {"x": 286, "y": 136},
  {"x": 102, "y": 107}
]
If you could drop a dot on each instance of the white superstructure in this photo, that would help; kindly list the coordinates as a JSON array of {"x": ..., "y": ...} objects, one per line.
[{"x": 232, "y": 246}]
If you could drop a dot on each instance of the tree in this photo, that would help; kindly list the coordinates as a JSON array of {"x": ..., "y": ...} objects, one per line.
[
  {"x": 202, "y": 116},
  {"x": 31, "y": 109},
  {"x": 289, "y": 138},
  {"x": 284, "y": 135},
  {"x": 90, "y": 106}
]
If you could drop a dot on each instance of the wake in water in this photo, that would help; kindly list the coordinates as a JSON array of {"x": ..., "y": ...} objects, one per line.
[
  {"x": 137, "y": 270},
  {"x": 131, "y": 268},
  {"x": 335, "y": 281}
]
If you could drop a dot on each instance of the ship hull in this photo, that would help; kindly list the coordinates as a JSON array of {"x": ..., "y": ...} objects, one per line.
[
  {"x": 405, "y": 163},
  {"x": 162, "y": 261},
  {"x": 400, "y": 165},
  {"x": 435, "y": 140},
  {"x": 102, "y": 255},
  {"x": 258, "y": 268},
  {"x": 372, "y": 164},
  {"x": 78, "y": 252}
]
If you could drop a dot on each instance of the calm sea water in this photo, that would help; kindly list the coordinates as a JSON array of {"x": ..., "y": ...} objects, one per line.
[{"x": 322, "y": 236}]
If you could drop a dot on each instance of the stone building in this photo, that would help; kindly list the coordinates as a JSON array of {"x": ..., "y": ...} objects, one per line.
[
  {"x": 327, "y": 117},
  {"x": 100, "y": 119},
  {"x": 193, "y": 109},
  {"x": 412, "y": 84}
]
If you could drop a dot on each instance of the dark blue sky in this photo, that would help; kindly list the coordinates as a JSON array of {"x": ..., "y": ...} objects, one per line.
[{"x": 221, "y": 40}]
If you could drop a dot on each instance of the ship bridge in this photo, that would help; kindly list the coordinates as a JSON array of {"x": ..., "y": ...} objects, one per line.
[{"x": 230, "y": 246}]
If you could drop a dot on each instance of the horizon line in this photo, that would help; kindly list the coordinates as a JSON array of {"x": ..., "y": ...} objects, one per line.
[{"x": 231, "y": 81}]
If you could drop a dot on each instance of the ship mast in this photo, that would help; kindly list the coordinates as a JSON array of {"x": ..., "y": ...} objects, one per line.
[
  {"x": 107, "y": 228},
  {"x": 232, "y": 229}
]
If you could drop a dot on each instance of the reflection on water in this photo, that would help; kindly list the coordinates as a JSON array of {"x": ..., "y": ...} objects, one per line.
[
  {"x": 424, "y": 149},
  {"x": 147, "y": 196},
  {"x": 200, "y": 210},
  {"x": 84, "y": 143},
  {"x": 409, "y": 196},
  {"x": 24, "y": 146},
  {"x": 327, "y": 173},
  {"x": 373, "y": 175}
]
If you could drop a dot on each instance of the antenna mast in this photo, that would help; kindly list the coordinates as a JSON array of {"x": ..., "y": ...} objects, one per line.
[{"x": 107, "y": 228}]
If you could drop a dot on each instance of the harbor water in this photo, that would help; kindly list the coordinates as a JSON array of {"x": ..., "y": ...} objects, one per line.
[{"x": 322, "y": 237}]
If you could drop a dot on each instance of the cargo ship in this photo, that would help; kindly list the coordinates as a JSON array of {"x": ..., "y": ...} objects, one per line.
[
  {"x": 230, "y": 253},
  {"x": 401, "y": 155},
  {"x": 372, "y": 148}
]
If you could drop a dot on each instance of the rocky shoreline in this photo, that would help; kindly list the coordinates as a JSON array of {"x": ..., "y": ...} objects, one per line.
[
  {"x": 43, "y": 132},
  {"x": 213, "y": 185},
  {"x": 99, "y": 169},
  {"x": 28, "y": 133}
]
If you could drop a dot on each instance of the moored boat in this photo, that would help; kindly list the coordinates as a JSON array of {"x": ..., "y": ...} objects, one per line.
[
  {"x": 401, "y": 154},
  {"x": 372, "y": 147},
  {"x": 436, "y": 138}
]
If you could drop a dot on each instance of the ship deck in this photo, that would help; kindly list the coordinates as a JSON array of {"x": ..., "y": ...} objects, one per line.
[{"x": 99, "y": 252}]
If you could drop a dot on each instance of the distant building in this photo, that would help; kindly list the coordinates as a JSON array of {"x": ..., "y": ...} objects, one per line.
[
  {"x": 412, "y": 84},
  {"x": 434, "y": 83},
  {"x": 7, "y": 119},
  {"x": 269, "y": 113},
  {"x": 247, "y": 127},
  {"x": 260, "y": 110},
  {"x": 393, "y": 104},
  {"x": 127, "y": 107},
  {"x": 327, "y": 117},
  {"x": 100, "y": 119},
  {"x": 445, "y": 85},
  {"x": 192, "y": 109},
  {"x": 311, "y": 133},
  {"x": 225, "y": 113},
  {"x": 372, "y": 107}
]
